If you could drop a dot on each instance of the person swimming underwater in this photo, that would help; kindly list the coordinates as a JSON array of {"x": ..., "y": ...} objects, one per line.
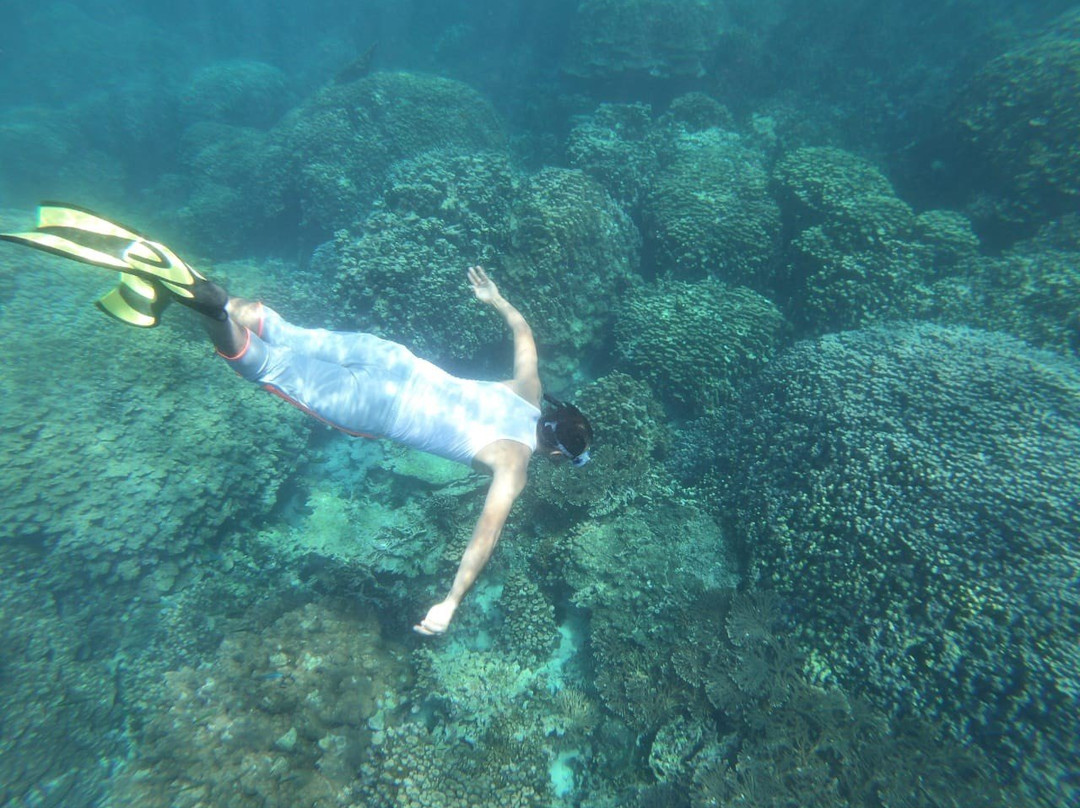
[{"x": 354, "y": 381}]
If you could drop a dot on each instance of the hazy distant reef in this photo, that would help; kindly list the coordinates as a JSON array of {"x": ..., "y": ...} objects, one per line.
[{"x": 1018, "y": 121}]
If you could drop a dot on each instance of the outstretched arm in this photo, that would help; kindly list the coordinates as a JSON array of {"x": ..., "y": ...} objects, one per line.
[
  {"x": 504, "y": 490},
  {"x": 526, "y": 378}
]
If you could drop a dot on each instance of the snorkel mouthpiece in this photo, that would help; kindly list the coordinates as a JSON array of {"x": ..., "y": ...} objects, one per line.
[{"x": 581, "y": 459}]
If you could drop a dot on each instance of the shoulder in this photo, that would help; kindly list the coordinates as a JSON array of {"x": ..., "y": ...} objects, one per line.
[
  {"x": 528, "y": 389},
  {"x": 506, "y": 460}
]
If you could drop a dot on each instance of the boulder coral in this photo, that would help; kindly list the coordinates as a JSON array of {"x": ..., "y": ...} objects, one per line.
[
  {"x": 240, "y": 92},
  {"x": 618, "y": 145},
  {"x": 854, "y": 257},
  {"x": 141, "y": 447},
  {"x": 661, "y": 40},
  {"x": 554, "y": 242},
  {"x": 709, "y": 214},
  {"x": 912, "y": 490},
  {"x": 572, "y": 250},
  {"x": 629, "y": 438},
  {"x": 1031, "y": 291},
  {"x": 402, "y": 275},
  {"x": 695, "y": 342},
  {"x": 1018, "y": 123},
  {"x": 338, "y": 145}
]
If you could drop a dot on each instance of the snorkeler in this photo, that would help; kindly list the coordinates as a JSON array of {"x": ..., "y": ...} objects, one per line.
[{"x": 356, "y": 382}]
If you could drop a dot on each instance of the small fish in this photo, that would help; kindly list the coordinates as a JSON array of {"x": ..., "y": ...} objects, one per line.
[{"x": 358, "y": 68}]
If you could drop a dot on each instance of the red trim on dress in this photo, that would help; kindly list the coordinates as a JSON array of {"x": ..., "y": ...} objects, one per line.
[
  {"x": 244, "y": 350},
  {"x": 275, "y": 391}
]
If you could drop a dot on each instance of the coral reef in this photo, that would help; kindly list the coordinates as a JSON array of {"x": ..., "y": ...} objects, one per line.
[
  {"x": 228, "y": 168},
  {"x": 949, "y": 237},
  {"x": 636, "y": 561},
  {"x": 695, "y": 342},
  {"x": 338, "y": 145},
  {"x": 618, "y": 145},
  {"x": 240, "y": 92},
  {"x": 529, "y": 633},
  {"x": 629, "y": 437},
  {"x": 61, "y": 687},
  {"x": 45, "y": 156},
  {"x": 415, "y": 767},
  {"x": 912, "y": 490},
  {"x": 572, "y": 251},
  {"x": 555, "y": 241},
  {"x": 120, "y": 406},
  {"x": 854, "y": 257},
  {"x": 645, "y": 39},
  {"x": 1031, "y": 291},
  {"x": 282, "y": 716},
  {"x": 1018, "y": 120},
  {"x": 403, "y": 275},
  {"x": 708, "y": 213}
]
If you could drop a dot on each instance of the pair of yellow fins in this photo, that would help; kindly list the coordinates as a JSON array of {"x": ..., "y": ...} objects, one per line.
[{"x": 150, "y": 273}]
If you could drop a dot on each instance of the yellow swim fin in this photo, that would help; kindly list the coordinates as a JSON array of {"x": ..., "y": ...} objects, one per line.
[
  {"x": 81, "y": 235},
  {"x": 135, "y": 302}
]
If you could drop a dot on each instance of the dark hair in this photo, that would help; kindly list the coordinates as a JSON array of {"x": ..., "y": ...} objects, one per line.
[{"x": 563, "y": 428}]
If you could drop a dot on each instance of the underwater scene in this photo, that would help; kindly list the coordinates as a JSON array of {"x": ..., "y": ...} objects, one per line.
[{"x": 778, "y": 507}]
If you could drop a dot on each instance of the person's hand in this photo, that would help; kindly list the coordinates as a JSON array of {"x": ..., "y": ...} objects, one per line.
[
  {"x": 437, "y": 620},
  {"x": 483, "y": 287}
]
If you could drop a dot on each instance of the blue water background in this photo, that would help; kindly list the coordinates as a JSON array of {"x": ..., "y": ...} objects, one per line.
[{"x": 813, "y": 269}]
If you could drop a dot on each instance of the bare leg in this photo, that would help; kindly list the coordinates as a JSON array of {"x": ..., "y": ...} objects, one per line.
[{"x": 230, "y": 335}]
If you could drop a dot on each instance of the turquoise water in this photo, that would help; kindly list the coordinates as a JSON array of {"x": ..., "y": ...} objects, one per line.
[{"x": 811, "y": 269}]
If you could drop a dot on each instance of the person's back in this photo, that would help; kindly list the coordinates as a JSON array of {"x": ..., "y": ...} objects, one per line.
[{"x": 456, "y": 418}]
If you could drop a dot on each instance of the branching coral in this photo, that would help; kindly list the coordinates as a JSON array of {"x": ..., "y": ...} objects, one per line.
[
  {"x": 529, "y": 632},
  {"x": 279, "y": 717},
  {"x": 414, "y": 767}
]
